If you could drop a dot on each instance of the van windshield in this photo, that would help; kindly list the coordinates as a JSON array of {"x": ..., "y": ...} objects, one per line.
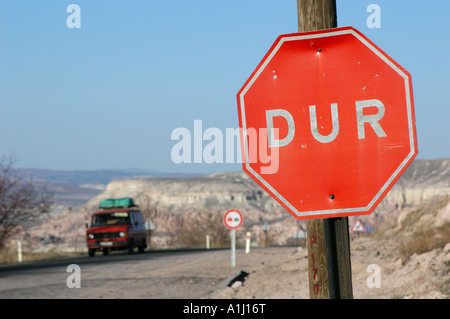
[{"x": 115, "y": 218}]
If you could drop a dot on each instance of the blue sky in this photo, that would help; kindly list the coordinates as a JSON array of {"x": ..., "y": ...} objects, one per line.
[{"x": 109, "y": 94}]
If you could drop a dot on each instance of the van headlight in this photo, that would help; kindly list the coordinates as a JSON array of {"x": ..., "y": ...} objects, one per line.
[
  {"x": 90, "y": 236},
  {"x": 122, "y": 234}
]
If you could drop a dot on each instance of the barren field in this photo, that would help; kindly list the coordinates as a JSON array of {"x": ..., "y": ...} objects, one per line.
[
  {"x": 274, "y": 273},
  {"x": 283, "y": 273}
]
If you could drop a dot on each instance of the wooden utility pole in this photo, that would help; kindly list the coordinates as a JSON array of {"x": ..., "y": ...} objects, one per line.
[
  {"x": 316, "y": 15},
  {"x": 328, "y": 239}
]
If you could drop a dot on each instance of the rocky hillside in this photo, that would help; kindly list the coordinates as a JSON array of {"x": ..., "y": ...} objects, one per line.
[
  {"x": 181, "y": 195},
  {"x": 422, "y": 181},
  {"x": 171, "y": 202}
]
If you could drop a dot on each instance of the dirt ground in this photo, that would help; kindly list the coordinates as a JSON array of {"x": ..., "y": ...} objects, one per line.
[
  {"x": 283, "y": 273},
  {"x": 274, "y": 273}
]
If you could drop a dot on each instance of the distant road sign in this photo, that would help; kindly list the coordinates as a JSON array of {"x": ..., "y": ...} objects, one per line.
[
  {"x": 149, "y": 224},
  {"x": 233, "y": 219},
  {"x": 358, "y": 227}
]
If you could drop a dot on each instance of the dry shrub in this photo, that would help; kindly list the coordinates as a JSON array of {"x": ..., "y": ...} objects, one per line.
[
  {"x": 418, "y": 244},
  {"x": 424, "y": 240},
  {"x": 22, "y": 201},
  {"x": 8, "y": 255},
  {"x": 423, "y": 235},
  {"x": 195, "y": 227},
  {"x": 442, "y": 236}
]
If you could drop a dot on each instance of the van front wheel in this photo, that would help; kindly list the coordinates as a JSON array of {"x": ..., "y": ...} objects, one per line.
[{"x": 141, "y": 247}]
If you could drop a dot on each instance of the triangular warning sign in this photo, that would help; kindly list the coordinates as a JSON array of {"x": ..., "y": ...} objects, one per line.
[{"x": 358, "y": 226}]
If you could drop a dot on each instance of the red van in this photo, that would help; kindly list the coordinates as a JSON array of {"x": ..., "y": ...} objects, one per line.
[{"x": 116, "y": 228}]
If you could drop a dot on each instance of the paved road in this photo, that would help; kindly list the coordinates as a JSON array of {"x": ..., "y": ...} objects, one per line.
[{"x": 181, "y": 274}]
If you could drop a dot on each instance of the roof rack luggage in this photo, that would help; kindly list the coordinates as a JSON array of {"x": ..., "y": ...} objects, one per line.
[{"x": 117, "y": 203}]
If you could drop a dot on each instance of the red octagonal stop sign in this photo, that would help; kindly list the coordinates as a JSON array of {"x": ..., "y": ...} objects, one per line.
[{"x": 327, "y": 123}]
